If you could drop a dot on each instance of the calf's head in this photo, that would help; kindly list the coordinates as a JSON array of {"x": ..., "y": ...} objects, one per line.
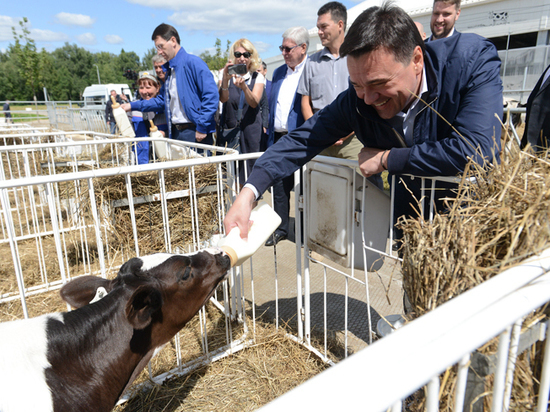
[{"x": 161, "y": 291}]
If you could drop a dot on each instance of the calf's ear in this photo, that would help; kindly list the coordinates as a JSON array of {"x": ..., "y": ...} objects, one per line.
[
  {"x": 80, "y": 291},
  {"x": 145, "y": 301}
]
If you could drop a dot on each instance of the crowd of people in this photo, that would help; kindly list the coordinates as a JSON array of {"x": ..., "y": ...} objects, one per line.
[{"x": 384, "y": 94}]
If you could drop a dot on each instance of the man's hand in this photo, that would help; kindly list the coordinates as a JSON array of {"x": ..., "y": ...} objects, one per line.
[
  {"x": 341, "y": 141},
  {"x": 239, "y": 214},
  {"x": 199, "y": 137},
  {"x": 126, "y": 107},
  {"x": 370, "y": 161}
]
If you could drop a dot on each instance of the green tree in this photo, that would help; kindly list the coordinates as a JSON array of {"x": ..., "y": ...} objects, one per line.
[
  {"x": 146, "y": 63},
  {"x": 108, "y": 70},
  {"x": 27, "y": 57},
  {"x": 219, "y": 59},
  {"x": 12, "y": 85},
  {"x": 75, "y": 65}
]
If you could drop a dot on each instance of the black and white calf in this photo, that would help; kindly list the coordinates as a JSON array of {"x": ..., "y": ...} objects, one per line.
[{"x": 83, "y": 360}]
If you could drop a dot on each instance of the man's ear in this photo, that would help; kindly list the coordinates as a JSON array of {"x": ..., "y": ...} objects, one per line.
[
  {"x": 418, "y": 59},
  {"x": 80, "y": 291},
  {"x": 145, "y": 301}
]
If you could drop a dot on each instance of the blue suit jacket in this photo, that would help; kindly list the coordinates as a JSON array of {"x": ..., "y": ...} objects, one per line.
[{"x": 295, "y": 117}]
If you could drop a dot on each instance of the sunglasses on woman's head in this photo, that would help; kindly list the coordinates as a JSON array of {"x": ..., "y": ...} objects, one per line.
[{"x": 246, "y": 55}]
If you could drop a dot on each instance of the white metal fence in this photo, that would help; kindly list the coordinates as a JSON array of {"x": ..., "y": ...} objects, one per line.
[
  {"x": 77, "y": 118},
  {"x": 381, "y": 377}
]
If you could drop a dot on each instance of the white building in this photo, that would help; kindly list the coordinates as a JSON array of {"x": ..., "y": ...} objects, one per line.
[{"x": 519, "y": 29}]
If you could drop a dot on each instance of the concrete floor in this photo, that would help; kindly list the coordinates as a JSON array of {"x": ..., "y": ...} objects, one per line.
[{"x": 274, "y": 280}]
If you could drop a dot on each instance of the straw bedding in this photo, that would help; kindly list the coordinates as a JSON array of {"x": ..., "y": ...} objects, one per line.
[
  {"x": 149, "y": 218},
  {"x": 244, "y": 381},
  {"x": 496, "y": 221}
]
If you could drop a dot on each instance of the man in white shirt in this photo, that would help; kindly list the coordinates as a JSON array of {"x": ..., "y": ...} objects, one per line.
[{"x": 285, "y": 114}]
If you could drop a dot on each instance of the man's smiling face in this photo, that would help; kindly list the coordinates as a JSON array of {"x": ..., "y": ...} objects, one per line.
[{"x": 384, "y": 83}]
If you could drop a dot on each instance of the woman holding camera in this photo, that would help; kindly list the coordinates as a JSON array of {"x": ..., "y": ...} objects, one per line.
[{"x": 241, "y": 90}]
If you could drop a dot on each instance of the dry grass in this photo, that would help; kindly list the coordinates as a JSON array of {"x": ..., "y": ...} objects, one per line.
[
  {"x": 148, "y": 215},
  {"x": 244, "y": 381},
  {"x": 496, "y": 221}
]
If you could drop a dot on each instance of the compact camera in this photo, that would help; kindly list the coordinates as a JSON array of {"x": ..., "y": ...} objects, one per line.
[{"x": 239, "y": 69}]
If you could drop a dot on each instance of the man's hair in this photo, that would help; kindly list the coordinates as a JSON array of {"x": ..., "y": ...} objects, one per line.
[
  {"x": 337, "y": 12},
  {"x": 246, "y": 44},
  {"x": 264, "y": 65},
  {"x": 166, "y": 32},
  {"x": 386, "y": 27},
  {"x": 456, "y": 3},
  {"x": 157, "y": 58},
  {"x": 298, "y": 35}
]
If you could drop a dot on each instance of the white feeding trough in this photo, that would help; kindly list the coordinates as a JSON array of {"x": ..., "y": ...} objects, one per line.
[{"x": 337, "y": 216}]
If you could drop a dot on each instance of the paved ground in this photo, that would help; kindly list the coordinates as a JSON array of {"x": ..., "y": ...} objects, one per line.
[{"x": 274, "y": 282}]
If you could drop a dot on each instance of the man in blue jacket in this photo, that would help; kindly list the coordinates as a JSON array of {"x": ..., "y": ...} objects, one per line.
[
  {"x": 191, "y": 97},
  {"x": 420, "y": 109}
]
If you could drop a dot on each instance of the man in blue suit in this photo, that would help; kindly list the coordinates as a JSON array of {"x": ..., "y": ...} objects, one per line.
[
  {"x": 285, "y": 115},
  {"x": 264, "y": 106},
  {"x": 537, "y": 122}
]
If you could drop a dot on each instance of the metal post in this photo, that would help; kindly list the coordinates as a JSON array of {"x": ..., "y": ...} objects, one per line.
[{"x": 98, "y": 79}]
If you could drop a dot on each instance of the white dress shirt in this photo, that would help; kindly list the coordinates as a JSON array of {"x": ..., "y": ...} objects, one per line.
[{"x": 287, "y": 92}]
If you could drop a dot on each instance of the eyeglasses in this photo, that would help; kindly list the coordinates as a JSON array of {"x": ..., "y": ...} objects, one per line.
[
  {"x": 285, "y": 49},
  {"x": 161, "y": 46},
  {"x": 246, "y": 55}
]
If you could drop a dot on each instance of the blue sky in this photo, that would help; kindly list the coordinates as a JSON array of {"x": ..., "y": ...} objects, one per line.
[{"x": 101, "y": 25}]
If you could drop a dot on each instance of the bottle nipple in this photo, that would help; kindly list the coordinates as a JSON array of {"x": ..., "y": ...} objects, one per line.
[
  {"x": 153, "y": 128},
  {"x": 229, "y": 251},
  {"x": 115, "y": 104}
]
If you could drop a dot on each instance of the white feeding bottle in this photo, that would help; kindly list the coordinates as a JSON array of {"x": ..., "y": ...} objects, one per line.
[
  {"x": 265, "y": 221},
  {"x": 122, "y": 121}
]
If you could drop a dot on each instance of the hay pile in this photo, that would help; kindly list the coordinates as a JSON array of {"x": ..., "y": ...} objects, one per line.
[
  {"x": 500, "y": 219},
  {"x": 244, "y": 381},
  {"x": 150, "y": 225}
]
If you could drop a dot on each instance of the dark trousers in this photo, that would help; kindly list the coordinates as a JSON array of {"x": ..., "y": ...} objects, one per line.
[
  {"x": 281, "y": 197},
  {"x": 188, "y": 135},
  {"x": 230, "y": 138},
  {"x": 409, "y": 200},
  {"x": 281, "y": 202},
  {"x": 248, "y": 143}
]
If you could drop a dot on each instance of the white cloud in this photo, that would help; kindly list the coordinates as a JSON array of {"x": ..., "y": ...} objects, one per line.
[
  {"x": 6, "y": 23},
  {"x": 261, "y": 46},
  {"x": 88, "y": 39},
  {"x": 70, "y": 19},
  {"x": 248, "y": 16},
  {"x": 39, "y": 35},
  {"x": 113, "y": 39}
]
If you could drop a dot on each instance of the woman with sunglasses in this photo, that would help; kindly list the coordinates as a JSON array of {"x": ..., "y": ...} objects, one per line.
[{"x": 241, "y": 120}]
